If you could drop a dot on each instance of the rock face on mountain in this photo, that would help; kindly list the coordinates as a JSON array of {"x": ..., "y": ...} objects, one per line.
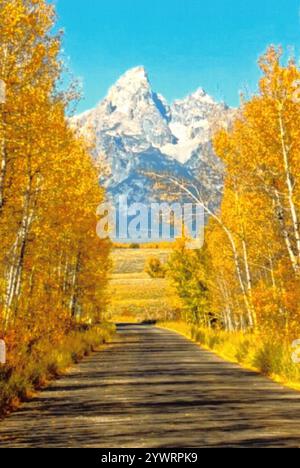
[{"x": 136, "y": 132}]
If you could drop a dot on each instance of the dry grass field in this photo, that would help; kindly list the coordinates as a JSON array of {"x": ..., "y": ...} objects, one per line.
[{"x": 134, "y": 295}]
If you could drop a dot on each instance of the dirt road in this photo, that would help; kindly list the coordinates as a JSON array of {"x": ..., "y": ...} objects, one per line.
[{"x": 153, "y": 388}]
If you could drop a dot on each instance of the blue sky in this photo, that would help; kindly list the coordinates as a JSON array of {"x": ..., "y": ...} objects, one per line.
[{"x": 183, "y": 44}]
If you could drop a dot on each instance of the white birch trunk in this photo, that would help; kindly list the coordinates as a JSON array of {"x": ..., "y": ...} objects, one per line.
[{"x": 290, "y": 189}]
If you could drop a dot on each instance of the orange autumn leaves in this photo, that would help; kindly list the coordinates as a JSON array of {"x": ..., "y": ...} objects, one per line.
[
  {"x": 249, "y": 269},
  {"x": 261, "y": 204},
  {"x": 53, "y": 268}
]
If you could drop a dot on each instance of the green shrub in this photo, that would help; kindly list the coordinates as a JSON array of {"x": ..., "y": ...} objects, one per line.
[
  {"x": 199, "y": 336},
  {"x": 154, "y": 268},
  {"x": 213, "y": 340},
  {"x": 243, "y": 349},
  {"x": 268, "y": 359}
]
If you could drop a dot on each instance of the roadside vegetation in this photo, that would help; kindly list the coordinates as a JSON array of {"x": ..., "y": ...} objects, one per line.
[
  {"x": 269, "y": 358},
  {"x": 34, "y": 367},
  {"x": 53, "y": 267},
  {"x": 241, "y": 292}
]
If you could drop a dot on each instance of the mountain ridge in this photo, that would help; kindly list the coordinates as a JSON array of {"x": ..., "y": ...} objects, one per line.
[{"x": 136, "y": 130}]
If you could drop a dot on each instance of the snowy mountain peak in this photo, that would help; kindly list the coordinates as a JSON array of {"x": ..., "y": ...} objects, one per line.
[
  {"x": 136, "y": 74},
  {"x": 133, "y": 111},
  {"x": 136, "y": 129},
  {"x": 132, "y": 81},
  {"x": 199, "y": 96},
  {"x": 200, "y": 92}
]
